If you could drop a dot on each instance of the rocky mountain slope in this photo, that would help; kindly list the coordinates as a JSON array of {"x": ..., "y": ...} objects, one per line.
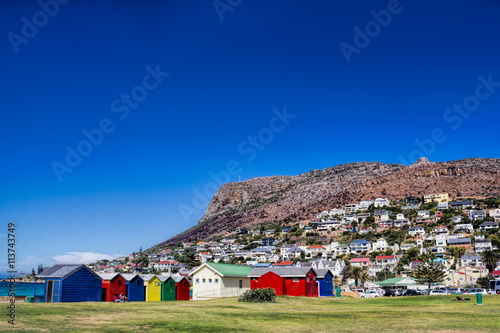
[{"x": 293, "y": 198}]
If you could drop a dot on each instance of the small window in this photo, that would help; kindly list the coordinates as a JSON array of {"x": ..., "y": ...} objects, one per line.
[
  {"x": 209, "y": 280},
  {"x": 295, "y": 280},
  {"x": 241, "y": 284},
  {"x": 203, "y": 280},
  {"x": 216, "y": 280},
  {"x": 197, "y": 281}
]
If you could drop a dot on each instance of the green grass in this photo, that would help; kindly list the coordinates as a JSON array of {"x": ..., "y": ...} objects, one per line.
[{"x": 288, "y": 314}]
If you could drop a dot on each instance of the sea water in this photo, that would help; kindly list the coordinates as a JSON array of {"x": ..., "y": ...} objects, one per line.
[{"x": 22, "y": 289}]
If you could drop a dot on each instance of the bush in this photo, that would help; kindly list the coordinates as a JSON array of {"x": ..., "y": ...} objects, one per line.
[{"x": 258, "y": 296}]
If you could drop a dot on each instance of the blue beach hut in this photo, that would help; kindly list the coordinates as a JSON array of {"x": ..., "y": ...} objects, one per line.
[
  {"x": 71, "y": 283},
  {"x": 135, "y": 287},
  {"x": 325, "y": 281}
]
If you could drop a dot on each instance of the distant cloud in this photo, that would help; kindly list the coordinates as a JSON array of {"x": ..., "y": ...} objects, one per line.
[{"x": 82, "y": 257}]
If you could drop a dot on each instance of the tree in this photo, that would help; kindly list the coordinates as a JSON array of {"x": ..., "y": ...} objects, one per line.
[
  {"x": 359, "y": 274},
  {"x": 428, "y": 271},
  {"x": 385, "y": 274},
  {"x": 490, "y": 259}
]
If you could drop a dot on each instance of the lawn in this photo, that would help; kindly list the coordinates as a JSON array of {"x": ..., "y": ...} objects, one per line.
[{"x": 288, "y": 314}]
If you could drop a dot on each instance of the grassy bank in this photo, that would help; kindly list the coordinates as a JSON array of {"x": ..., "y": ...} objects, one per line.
[{"x": 299, "y": 314}]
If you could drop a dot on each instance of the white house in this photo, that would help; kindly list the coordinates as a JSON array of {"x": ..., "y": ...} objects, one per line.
[
  {"x": 475, "y": 215},
  {"x": 413, "y": 231},
  {"x": 380, "y": 202},
  {"x": 215, "y": 280},
  {"x": 380, "y": 245},
  {"x": 495, "y": 213},
  {"x": 483, "y": 244},
  {"x": 443, "y": 205},
  {"x": 488, "y": 225},
  {"x": 464, "y": 227},
  {"x": 351, "y": 208},
  {"x": 364, "y": 205},
  {"x": 441, "y": 240},
  {"x": 423, "y": 213},
  {"x": 337, "y": 211}
]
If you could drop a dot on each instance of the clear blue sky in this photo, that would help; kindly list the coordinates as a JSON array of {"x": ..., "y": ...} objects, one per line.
[{"x": 271, "y": 88}]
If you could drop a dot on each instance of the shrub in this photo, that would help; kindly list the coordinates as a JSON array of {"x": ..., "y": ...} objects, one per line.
[{"x": 258, "y": 296}]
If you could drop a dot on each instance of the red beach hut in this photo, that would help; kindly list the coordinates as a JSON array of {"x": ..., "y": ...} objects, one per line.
[
  {"x": 181, "y": 288},
  {"x": 112, "y": 284}
]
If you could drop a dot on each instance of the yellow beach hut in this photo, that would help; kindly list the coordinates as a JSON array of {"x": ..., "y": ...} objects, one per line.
[{"x": 152, "y": 285}]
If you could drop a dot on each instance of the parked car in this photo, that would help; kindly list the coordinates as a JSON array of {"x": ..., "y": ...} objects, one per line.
[
  {"x": 391, "y": 293},
  {"x": 412, "y": 292},
  {"x": 476, "y": 291},
  {"x": 369, "y": 294},
  {"x": 438, "y": 292}
]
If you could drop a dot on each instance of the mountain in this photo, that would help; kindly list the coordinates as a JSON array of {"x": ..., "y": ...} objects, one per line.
[{"x": 294, "y": 198}]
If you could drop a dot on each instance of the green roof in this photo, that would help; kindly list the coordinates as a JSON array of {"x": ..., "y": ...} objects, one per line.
[
  {"x": 230, "y": 270},
  {"x": 391, "y": 282}
]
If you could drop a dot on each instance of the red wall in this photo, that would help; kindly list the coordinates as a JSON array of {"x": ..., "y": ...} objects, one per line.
[
  {"x": 182, "y": 290},
  {"x": 311, "y": 285},
  {"x": 117, "y": 286},
  {"x": 270, "y": 280},
  {"x": 303, "y": 287}
]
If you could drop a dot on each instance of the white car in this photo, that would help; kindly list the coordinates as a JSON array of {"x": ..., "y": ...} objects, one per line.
[
  {"x": 369, "y": 294},
  {"x": 438, "y": 292},
  {"x": 474, "y": 291}
]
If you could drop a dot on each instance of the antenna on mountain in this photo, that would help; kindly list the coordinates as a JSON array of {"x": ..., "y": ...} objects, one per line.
[{"x": 239, "y": 178}]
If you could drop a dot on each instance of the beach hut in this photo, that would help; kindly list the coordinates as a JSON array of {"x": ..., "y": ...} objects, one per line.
[
  {"x": 182, "y": 288},
  {"x": 152, "y": 286},
  {"x": 325, "y": 281},
  {"x": 264, "y": 278},
  {"x": 135, "y": 287},
  {"x": 290, "y": 281},
  {"x": 167, "y": 288},
  {"x": 71, "y": 283},
  {"x": 113, "y": 284},
  {"x": 215, "y": 280}
]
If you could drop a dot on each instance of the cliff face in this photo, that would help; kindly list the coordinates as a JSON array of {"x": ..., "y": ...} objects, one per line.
[{"x": 293, "y": 198}]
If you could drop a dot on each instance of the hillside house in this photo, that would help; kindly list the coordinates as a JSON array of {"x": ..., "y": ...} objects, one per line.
[
  {"x": 440, "y": 197},
  {"x": 475, "y": 260},
  {"x": 488, "y": 225},
  {"x": 360, "y": 262},
  {"x": 360, "y": 245},
  {"x": 464, "y": 242},
  {"x": 461, "y": 204},
  {"x": 475, "y": 215},
  {"x": 465, "y": 276}
]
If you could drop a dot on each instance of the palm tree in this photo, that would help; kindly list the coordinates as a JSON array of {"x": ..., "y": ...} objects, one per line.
[
  {"x": 360, "y": 274},
  {"x": 364, "y": 276},
  {"x": 490, "y": 259}
]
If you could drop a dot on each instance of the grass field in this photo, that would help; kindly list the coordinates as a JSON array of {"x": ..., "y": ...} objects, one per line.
[{"x": 288, "y": 314}]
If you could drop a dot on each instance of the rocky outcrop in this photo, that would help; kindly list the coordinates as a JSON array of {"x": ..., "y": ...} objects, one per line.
[{"x": 292, "y": 198}]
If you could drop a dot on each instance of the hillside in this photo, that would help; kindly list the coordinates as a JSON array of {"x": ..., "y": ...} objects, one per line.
[{"x": 293, "y": 198}]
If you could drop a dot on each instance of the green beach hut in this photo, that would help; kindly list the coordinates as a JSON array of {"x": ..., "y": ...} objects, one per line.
[{"x": 167, "y": 288}]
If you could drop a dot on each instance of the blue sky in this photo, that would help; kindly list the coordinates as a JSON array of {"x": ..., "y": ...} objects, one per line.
[{"x": 165, "y": 101}]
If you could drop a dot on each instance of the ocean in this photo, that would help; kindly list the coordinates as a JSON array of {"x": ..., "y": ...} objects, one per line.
[{"x": 22, "y": 288}]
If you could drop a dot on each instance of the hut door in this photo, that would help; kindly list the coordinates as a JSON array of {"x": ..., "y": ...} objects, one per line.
[
  {"x": 49, "y": 291},
  {"x": 53, "y": 291}
]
